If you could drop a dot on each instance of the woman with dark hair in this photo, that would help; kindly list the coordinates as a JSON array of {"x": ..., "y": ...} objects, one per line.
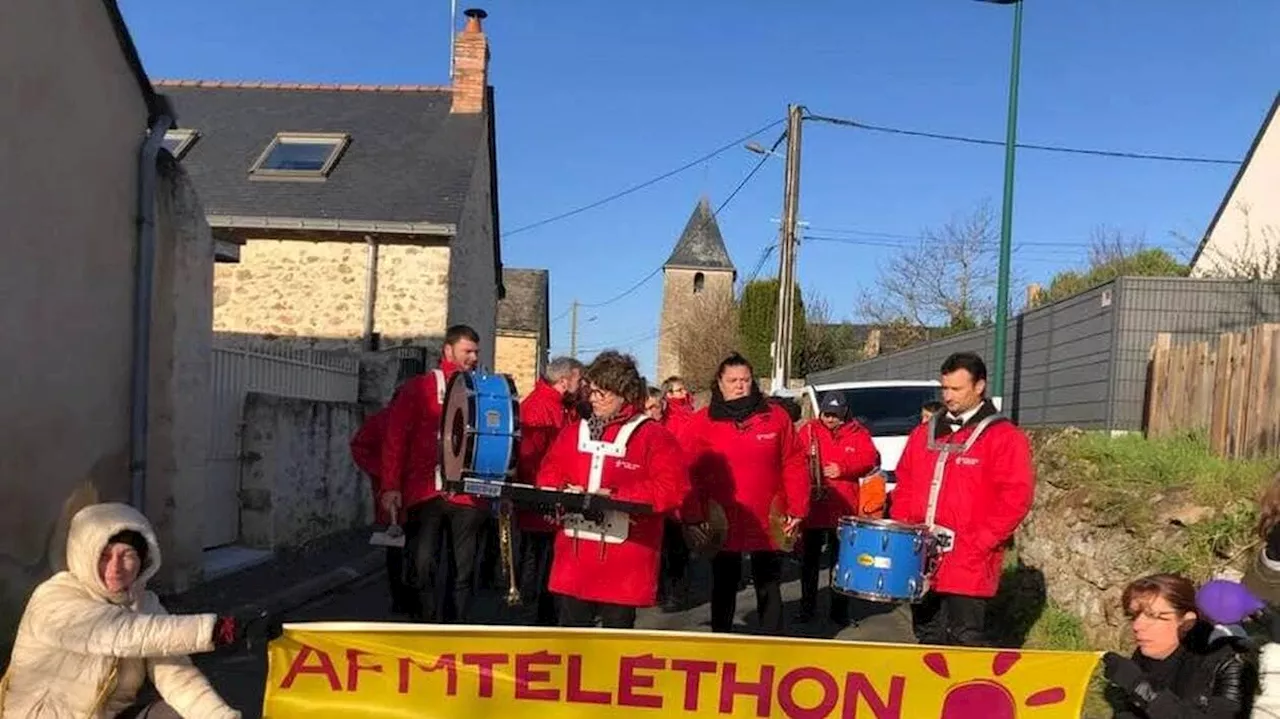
[
  {"x": 744, "y": 457},
  {"x": 609, "y": 569},
  {"x": 1182, "y": 667}
]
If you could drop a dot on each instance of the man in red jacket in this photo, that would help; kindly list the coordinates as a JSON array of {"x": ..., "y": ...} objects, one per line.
[
  {"x": 677, "y": 407},
  {"x": 846, "y": 457},
  {"x": 611, "y": 569},
  {"x": 968, "y": 475},
  {"x": 366, "y": 452},
  {"x": 411, "y": 481},
  {"x": 543, "y": 414}
]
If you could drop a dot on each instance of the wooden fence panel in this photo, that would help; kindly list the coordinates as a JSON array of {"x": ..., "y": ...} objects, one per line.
[{"x": 1230, "y": 390}]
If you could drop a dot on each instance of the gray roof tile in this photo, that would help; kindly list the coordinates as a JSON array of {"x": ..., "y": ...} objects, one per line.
[
  {"x": 409, "y": 159},
  {"x": 701, "y": 245}
]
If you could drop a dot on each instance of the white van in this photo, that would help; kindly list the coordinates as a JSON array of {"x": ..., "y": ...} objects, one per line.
[{"x": 888, "y": 409}]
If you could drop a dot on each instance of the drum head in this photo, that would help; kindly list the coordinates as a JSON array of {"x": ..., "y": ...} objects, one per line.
[{"x": 457, "y": 419}]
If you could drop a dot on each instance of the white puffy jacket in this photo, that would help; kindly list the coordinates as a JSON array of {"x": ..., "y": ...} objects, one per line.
[{"x": 82, "y": 652}]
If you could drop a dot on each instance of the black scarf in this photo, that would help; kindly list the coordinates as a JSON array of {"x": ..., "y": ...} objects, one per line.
[{"x": 737, "y": 410}]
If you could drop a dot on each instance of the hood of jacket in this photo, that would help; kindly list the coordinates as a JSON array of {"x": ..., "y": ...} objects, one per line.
[{"x": 87, "y": 536}]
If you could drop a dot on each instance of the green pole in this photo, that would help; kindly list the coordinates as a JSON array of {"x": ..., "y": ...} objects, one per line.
[{"x": 1006, "y": 214}]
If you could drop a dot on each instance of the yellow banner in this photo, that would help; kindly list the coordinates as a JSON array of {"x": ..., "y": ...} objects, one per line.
[{"x": 406, "y": 670}]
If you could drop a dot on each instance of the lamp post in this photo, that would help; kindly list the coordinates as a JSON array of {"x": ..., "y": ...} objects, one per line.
[{"x": 1006, "y": 212}]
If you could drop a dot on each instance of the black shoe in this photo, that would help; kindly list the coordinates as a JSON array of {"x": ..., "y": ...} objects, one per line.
[{"x": 805, "y": 615}]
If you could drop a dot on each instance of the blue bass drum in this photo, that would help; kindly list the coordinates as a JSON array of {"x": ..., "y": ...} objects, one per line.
[
  {"x": 479, "y": 431},
  {"x": 881, "y": 560}
]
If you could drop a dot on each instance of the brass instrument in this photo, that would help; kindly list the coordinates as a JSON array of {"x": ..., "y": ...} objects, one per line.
[
  {"x": 817, "y": 485},
  {"x": 711, "y": 541},
  {"x": 783, "y": 540},
  {"x": 507, "y": 551}
]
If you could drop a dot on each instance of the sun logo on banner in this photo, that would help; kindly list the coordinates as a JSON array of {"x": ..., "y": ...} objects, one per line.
[{"x": 988, "y": 698}]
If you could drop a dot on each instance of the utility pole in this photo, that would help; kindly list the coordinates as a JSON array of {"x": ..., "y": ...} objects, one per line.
[
  {"x": 573, "y": 329},
  {"x": 787, "y": 252},
  {"x": 996, "y": 386}
]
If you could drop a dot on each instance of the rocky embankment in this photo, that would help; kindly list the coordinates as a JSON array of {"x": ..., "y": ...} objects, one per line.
[{"x": 1089, "y": 536}]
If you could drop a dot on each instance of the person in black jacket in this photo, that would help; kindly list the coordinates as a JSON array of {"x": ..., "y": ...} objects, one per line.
[{"x": 1182, "y": 666}]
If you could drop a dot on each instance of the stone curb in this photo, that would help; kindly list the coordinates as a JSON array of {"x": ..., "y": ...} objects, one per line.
[{"x": 286, "y": 600}]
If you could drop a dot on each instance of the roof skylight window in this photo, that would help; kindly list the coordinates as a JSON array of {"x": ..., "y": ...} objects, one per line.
[
  {"x": 177, "y": 142},
  {"x": 300, "y": 155}
]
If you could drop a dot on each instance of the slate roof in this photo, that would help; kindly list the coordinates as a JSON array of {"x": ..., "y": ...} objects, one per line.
[
  {"x": 524, "y": 309},
  {"x": 701, "y": 245},
  {"x": 409, "y": 159}
]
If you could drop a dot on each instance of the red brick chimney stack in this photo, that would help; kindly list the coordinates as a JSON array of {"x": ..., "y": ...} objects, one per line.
[{"x": 470, "y": 65}]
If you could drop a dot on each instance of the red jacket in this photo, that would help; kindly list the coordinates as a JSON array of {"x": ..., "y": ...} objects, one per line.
[
  {"x": 850, "y": 446},
  {"x": 366, "y": 452},
  {"x": 651, "y": 471},
  {"x": 677, "y": 415},
  {"x": 542, "y": 415},
  {"x": 986, "y": 492},
  {"x": 410, "y": 452},
  {"x": 745, "y": 468}
]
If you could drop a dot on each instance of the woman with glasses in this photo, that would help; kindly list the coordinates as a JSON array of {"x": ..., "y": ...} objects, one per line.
[
  {"x": 609, "y": 569},
  {"x": 1182, "y": 667}
]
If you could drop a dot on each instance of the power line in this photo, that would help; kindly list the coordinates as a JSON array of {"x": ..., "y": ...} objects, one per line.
[
  {"x": 1024, "y": 145},
  {"x": 714, "y": 214},
  {"x": 647, "y": 183}
]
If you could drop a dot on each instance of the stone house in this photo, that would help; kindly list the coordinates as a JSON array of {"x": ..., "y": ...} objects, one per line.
[
  {"x": 1243, "y": 237},
  {"x": 524, "y": 330},
  {"x": 98, "y": 218},
  {"x": 349, "y": 216}
]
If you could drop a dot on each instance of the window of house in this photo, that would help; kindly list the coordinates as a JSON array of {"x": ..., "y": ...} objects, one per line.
[
  {"x": 300, "y": 155},
  {"x": 699, "y": 280},
  {"x": 177, "y": 142}
]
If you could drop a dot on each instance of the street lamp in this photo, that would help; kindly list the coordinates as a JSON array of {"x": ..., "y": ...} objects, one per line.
[{"x": 1006, "y": 212}]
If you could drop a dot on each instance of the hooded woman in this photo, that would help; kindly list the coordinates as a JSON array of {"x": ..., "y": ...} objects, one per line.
[{"x": 93, "y": 634}]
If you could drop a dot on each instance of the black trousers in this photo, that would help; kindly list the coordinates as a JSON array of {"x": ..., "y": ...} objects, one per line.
[
  {"x": 404, "y": 595},
  {"x": 766, "y": 574},
  {"x": 951, "y": 620},
  {"x": 442, "y": 575},
  {"x": 812, "y": 542},
  {"x": 158, "y": 709},
  {"x": 576, "y": 612},
  {"x": 537, "y": 549}
]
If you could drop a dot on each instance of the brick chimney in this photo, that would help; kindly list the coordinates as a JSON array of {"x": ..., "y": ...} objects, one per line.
[{"x": 470, "y": 65}]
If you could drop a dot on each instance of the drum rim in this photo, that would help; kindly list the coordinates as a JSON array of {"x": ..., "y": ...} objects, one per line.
[
  {"x": 874, "y": 596},
  {"x": 886, "y": 523}
]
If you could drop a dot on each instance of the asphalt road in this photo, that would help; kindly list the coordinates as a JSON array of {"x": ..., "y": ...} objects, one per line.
[{"x": 240, "y": 677}]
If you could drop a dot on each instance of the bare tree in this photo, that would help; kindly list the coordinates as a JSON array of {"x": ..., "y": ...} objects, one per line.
[
  {"x": 1112, "y": 254},
  {"x": 704, "y": 335},
  {"x": 1255, "y": 257},
  {"x": 948, "y": 278},
  {"x": 826, "y": 344}
]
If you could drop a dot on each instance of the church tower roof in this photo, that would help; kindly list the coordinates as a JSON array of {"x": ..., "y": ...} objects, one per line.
[{"x": 701, "y": 246}]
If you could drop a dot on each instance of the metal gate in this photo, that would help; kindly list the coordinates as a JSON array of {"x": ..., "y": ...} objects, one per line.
[{"x": 302, "y": 374}]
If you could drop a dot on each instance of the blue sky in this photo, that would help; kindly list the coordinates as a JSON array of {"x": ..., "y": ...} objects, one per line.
[{"x": 593, "y": 97}]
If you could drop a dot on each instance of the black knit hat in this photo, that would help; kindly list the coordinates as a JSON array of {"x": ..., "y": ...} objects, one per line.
[{"x": 133, "y": 539}]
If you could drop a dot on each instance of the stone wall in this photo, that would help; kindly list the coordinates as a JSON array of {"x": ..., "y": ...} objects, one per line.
[
  {"x": 314, "y": 293},
  {"x": 516, "y": 354},
  {"x": 299, "y": 482},
  {"x": 680, "y": 303}
]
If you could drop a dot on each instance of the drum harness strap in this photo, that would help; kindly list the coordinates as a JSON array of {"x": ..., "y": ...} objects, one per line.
[
  {"x": 944, "y": 450},
  {"x": 438, "y": 375},
  {"x": 598, "y": 450}
]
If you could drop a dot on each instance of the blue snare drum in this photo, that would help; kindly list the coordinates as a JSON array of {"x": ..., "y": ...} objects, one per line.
[
  {"x": 479, "y": 430},
  {"x": 882, "y": 560}
]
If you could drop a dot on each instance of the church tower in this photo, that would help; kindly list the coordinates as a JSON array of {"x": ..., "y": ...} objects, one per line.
[{"x": 698, "y": 273}]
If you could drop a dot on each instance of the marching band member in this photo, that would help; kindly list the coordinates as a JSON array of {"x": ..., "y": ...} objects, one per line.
[
  {"x": 744, "y": 457},
  {"x": 610, "y": 570},
  {"x": 845, "y": 457},
  {"x": 653, "y": 405},
  {"x": 677, "y": 404},
  {"x": 411, "y": 481},
  {"x": 543, "y": 414},
  {"x": 968, "y": 475},
  {"x": 366, "y": 452}
]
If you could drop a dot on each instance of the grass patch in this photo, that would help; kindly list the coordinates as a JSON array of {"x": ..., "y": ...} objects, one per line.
[
  {"x": 1057, "y": 629},
  {"x": 1136, "y": 482}
]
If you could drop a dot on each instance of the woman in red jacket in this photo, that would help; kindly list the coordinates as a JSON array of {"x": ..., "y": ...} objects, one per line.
[
  {"x": 845, "y": 456},
  {"x": 611, "y": 569},
  {"x": 743, "y": 455}
]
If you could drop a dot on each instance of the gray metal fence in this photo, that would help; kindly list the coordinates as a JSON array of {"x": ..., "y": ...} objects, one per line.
[{"x": 1083, "y": 361}]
